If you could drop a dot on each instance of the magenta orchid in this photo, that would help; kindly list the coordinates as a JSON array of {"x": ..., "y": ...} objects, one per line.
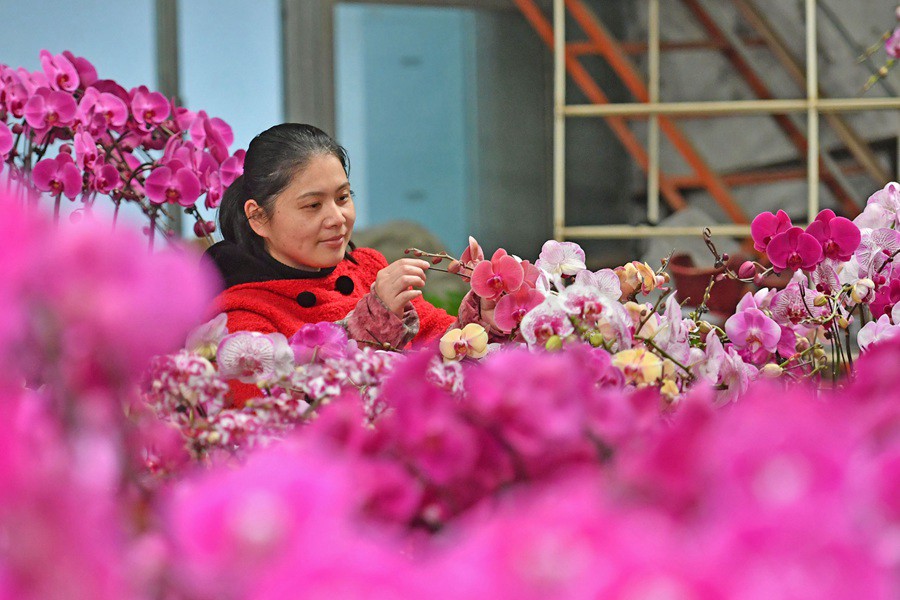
[
  {"x": 794, "y": 249},
  {"x": 115, "y": 136},
  {"x": 766, "y": 226},
  {"x": 838, "y": 236},
  {"x": 58, "y": 176},
  {"x": 538, "y": 471},
  {"x": 48, "y": 108},
  {"x": 176, "y": 187},
  {"x": 150, "y": 109}
]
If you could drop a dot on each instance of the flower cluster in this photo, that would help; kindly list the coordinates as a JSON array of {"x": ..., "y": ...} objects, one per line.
[
  {"x": 67, "y": 133},
  {"x": 527, "y": 473}
]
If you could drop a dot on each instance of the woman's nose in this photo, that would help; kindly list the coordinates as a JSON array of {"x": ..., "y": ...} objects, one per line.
[{"x": 335, "y": 217}]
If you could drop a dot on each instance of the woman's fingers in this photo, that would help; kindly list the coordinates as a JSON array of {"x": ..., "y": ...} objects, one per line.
[
  {"x": 407, "y": 296},
  {"x": 396, "y": 283}
]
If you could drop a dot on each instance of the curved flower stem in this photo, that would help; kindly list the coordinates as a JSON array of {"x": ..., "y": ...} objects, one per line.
[
  {"x": 664, "y": 354},
  {"x": 653, "y": 311}
]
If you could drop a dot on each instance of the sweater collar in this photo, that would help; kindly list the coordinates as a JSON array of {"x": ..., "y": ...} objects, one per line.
[{"x": 239, "y": 266}]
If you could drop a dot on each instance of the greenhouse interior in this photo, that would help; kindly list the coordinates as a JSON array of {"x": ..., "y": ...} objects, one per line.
[{"x": 396, "y": 299}]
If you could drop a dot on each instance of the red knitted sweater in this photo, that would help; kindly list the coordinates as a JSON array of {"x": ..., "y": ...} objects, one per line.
[{"x": 285, "y": 305}]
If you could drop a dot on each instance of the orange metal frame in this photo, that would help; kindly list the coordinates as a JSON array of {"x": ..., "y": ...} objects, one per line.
[{"x": 600, "y": 42}]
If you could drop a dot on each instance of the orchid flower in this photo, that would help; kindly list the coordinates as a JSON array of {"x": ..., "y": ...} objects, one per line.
[{"x": 471, "y": 341}]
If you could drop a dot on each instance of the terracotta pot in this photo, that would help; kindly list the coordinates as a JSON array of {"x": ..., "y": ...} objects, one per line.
[{"x": 690, "y": 284}]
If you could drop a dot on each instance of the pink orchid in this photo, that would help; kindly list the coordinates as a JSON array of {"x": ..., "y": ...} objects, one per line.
[
  {"x": 794, "y": 249},
  {"x": 838, "y": 236},
  {"x": 544, "y": 321},
  {"x": 755, "y": 334},
  {"x": 61, "y": 73},
  {"x": 892, "y": 44},
  {"x": 875, "y": 248},
  {"x": 882, "y": 208},
  {"x": 99, "y": 111},
  {"x": 6, "y": 140},
  {"x": 87, "y": 74},
  {"x": 673, "y": 332},
  {"x": 605, "y": 280},
  {"x": 106, "y": 178},
  {"x": 561, "y": 258},
  {"x": 204, "y": 339},
  {"x": 471, "y": 256},
  {"x": 726, "y": 370},
  {"x": 233, "y": 166},
  {"x": 249, "y": 356},
  {"x": 877, "y": 331},
  {"x": 58, "y": 176},
  {"x": 48, "y": 108},
  {"x": 796, "y": 303},
  {"x": 211, "y": 133},
  {"x": 15, "y": 97},
  {"x": 85, "y": 150},
  {"x": 512, "y": 308},
  {"x": 503, "y": 274},
  {"x": 825, "y": 276},
  {"x": 597, "y": 311},
  {"x": 178, "y": 187},
  {"x": 319, "y": 342},
  {"x": 766, "y": 226},
  {"x": 150, "y": 109}
]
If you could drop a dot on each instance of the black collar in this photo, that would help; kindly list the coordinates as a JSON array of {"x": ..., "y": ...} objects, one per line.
[{"x": 239, "y": 266}]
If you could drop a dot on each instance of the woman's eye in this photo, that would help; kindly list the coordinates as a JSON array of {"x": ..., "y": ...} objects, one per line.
[
  {"x": 314, "y": 205},
  {"x": 344, "y": 198}
]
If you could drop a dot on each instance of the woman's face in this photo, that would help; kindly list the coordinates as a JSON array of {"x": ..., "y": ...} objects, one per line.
[{"x": 313, "y": 216}]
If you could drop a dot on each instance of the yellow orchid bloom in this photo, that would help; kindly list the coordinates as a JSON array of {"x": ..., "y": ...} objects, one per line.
[
  {"x": 471, "y": 341},
  {"x": 639, "y": 366}
]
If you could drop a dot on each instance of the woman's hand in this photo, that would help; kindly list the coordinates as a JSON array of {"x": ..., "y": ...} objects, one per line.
[{"x": 396, "y": 284}]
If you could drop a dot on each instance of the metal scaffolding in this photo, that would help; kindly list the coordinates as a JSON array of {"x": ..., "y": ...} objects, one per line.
[{"x": 661, "y": 116}]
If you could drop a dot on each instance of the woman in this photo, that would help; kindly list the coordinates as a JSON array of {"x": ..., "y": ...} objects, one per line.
[{"x": 287, "y": 258}]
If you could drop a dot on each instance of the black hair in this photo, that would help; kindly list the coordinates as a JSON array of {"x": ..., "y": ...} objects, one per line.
[{"x": 273, "y": 158}]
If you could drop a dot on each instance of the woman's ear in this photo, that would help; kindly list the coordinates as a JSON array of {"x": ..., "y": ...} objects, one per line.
[{"x": 254, "y": 213}]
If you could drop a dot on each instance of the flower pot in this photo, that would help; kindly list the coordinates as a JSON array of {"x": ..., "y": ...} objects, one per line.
[{"x": 691, "y": 281}]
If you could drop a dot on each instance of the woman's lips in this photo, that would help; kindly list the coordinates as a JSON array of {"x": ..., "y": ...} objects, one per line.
[{"x": 335, "y": 242}]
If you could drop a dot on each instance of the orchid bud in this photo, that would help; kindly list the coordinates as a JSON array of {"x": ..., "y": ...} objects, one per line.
[
  {"x": 704, "y": 327},
  {"x": 554, "y": 343},
  {"x": 771, "y": 371},
  {"x": 758, "y": 279},
  {"x": 862, "y": 291},
  {"x": 747, "y": 270},
  {"x": 436, "y": 260},
  {"x": 595, "y": 339},
  {"x": 843, "y": 323},
  {"x": 819, "y": 354},
  {"x": 725, "y": 257},
  {"x": 820, "y": 301}
]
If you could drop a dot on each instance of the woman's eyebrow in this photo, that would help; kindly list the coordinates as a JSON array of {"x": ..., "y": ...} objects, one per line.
[{"x": 346, "y": 184}]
